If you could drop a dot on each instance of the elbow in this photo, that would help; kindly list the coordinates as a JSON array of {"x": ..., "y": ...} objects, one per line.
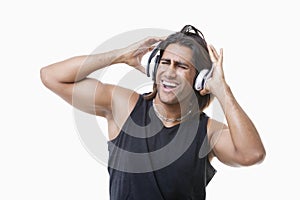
[
  {"x": 253, "y": 159},
  {"x": 46, "y": 77},
  {"x": 43, "y": 76}
]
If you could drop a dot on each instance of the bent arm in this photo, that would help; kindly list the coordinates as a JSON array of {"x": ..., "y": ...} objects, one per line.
[
  {"x": 239, "y": 143},
  {"x": 68, "y": 79}
]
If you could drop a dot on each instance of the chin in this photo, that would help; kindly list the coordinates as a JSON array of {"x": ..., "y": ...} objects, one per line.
[{"x": 169, "y": 98}]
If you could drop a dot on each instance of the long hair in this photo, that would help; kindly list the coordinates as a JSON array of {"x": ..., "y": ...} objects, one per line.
[{"x": 200, "y": 59}]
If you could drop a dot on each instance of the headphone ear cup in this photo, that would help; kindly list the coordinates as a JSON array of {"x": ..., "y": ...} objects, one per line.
[
  {"x": 200, "y": 80},
  {"x": 155, "y": 51},
  {"x": 156, "y": 63}
]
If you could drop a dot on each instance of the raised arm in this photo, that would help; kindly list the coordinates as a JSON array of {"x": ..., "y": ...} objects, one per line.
[
  {"x": 68, "y": 78},
  {"x": 239, "y": 143}
]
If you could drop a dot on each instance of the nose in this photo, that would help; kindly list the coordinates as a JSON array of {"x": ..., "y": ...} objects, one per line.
[{"x": 171, "y": 71}]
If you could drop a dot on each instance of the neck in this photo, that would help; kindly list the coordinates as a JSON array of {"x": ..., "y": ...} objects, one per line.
[{"x": 172, "y": 113}]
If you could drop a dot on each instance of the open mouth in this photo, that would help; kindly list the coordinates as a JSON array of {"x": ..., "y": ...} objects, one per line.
[{"x": 169, "y": 85}]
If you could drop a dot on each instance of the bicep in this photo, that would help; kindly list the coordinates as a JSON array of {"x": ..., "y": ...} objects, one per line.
[
  {"x": 88, "y": 95},
  {"x": 94, "y": 97}
]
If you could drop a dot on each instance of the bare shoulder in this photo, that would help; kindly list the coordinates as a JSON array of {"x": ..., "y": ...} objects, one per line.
[{"x": 122, "y": 103}]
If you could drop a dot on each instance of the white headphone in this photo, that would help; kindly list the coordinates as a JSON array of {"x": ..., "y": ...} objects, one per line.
[
  {"x": 200, "y": 81},
  {"x": 202, "y": 78}
]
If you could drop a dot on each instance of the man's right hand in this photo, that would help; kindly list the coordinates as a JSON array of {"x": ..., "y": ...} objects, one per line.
[{"x": 133, "y": 54}]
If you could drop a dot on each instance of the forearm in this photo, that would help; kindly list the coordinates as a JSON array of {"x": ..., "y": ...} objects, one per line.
[
  {"x": 244, "y": 135},
  {"x": 77, "y": 68}
]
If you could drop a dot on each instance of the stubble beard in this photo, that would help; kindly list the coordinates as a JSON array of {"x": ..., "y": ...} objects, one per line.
[{"x": 172, "y": 98}]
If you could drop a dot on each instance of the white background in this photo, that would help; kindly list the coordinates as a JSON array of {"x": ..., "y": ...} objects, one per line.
[{"x": 40, "y": 151}]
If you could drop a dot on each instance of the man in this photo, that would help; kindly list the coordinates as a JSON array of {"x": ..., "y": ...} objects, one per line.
[{"x": 161, "y": 143}]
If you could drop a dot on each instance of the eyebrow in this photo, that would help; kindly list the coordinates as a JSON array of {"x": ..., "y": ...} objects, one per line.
[{"x": 176, "y": 62}]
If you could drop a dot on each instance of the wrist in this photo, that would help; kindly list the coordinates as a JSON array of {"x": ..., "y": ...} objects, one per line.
[
  {"x": 118, "y": 56},
  {"x": 222, "y": 91}
]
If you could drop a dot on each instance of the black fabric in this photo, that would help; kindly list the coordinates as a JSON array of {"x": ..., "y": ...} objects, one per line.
[{"x": 148, "y": 161}]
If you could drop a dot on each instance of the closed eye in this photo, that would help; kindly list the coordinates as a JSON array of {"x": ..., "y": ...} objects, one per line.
[
  {"x": 179, "y": 64},
  {"x": 183, "y": 66},
  {"x": 165, "y": 61}
]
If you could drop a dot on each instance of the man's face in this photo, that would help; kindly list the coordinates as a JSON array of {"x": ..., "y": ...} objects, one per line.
[{"x": 175, "y": 74}]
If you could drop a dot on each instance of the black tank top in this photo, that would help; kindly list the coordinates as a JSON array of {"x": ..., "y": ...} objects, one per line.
[{"x": 148, "y": 161}]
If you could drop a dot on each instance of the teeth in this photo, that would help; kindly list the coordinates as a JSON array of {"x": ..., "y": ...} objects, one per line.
[{"x": 169, "y": 84}]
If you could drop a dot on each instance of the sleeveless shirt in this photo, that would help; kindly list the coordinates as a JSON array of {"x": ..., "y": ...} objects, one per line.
[{"x": 148, "y": 161}]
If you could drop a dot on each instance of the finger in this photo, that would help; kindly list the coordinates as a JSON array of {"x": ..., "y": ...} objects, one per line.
[
  {"x": 160, "y": 38},
  {"x": 211, "y": 54},
  {"x": 143, "y": 50},
  {"x": 151, "y": 48},
  {"x": 215, "y": 52},
  {"x": 141, "y": 69},
  {"x": 220, "y": 61},
  {"x": 153, "y": 40},
  {"x": 204, "y": 92},
  {"x": 163, "y": 38}
]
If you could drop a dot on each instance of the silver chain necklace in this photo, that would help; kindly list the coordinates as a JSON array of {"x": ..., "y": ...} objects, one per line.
[{"x": 163, "y": 118}]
